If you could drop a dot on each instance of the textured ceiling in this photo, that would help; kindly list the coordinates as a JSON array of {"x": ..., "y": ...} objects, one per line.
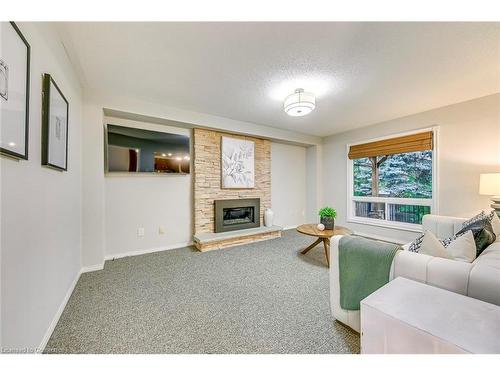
[{"x": 362, "y": 73}]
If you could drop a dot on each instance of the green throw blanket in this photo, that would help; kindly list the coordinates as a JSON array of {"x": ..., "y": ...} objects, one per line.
[{"x": 364, "y": 267}]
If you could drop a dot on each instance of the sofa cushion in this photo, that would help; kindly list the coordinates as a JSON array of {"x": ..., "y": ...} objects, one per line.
[
  {"x": 484, "y": 278},
  {"x": 484, "y": 282},
  {"x": 443, "y": 273},
  {"x": 490, "y": 257},
  {"x": 411, "y": 265},
  {"x": 449, "y": 275}
]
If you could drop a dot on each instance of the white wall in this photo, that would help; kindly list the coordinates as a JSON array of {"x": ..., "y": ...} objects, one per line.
[
  {"x": 468, "y": 144},
  {"x": 288, "y": 184},
  {"x": 314, "y": 182},
  {"x": 41, "y": 209},
  {"x": 149, "y": 202},
  {"x": 93, "y": 192}
]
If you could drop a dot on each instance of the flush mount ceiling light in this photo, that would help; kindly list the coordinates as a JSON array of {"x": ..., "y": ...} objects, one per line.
[{"x": 300, "y": 103}]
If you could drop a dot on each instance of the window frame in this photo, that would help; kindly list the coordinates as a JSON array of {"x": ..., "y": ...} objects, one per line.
[{"x": 433, "y": 202}]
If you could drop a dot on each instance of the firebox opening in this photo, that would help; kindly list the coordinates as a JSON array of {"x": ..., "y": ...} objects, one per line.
[
  {"x": 238, "y": 215},
  {"x": 235, "y": 214}
]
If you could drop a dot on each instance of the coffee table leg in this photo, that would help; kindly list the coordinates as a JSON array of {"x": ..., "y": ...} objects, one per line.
[
  {"x": 326, "y": 244},
  {"x": 311, "y": 246}
]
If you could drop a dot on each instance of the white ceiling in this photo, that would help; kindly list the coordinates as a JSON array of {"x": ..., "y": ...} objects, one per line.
[{"x": 362, "y": 73}]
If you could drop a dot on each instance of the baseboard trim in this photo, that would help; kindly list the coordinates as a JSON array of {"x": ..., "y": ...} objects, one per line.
[
  {"x": 147, "y": 251},
  {"x": 95, "y": 267},
  {"x": 58, "y": 314},
  {"x": 290, "y": 227}
]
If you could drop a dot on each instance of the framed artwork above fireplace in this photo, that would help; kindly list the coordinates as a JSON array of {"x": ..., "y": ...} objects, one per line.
[{"x": 238, "y": 163}]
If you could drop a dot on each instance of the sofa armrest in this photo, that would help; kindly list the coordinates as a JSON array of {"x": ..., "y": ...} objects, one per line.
[{"x": 349, "y": 317}]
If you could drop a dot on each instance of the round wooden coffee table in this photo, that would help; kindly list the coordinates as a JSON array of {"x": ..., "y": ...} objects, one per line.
[{"x": 323, "y": 236}]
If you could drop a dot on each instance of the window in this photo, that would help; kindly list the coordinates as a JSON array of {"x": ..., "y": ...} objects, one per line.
[{"x": 391, "y": 181}]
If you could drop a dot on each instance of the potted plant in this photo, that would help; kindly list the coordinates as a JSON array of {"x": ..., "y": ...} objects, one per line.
[{"x": 328, "y": 215}]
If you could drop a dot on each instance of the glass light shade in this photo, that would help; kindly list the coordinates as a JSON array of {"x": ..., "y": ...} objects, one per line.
[
  {"x": 489, "y": 184},
  {"x": 299, "y": 103}
]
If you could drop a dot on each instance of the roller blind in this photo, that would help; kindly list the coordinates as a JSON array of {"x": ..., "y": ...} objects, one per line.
[{"x": 398, "y": 145}]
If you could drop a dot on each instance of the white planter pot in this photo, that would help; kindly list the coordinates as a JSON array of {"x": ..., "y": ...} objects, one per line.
[{"x": 268, "y": 217}]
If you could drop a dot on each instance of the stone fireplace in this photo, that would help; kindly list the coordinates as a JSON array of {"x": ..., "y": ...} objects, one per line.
[
  {"x": 235, "y": 214},
  {"x": 225, "y": 217}
]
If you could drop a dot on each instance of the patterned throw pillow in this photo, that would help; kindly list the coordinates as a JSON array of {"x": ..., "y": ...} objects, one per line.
[
  {"x": 479, "y": 217},
  {"x": 490, "y": 215},
  {"x": 482, "y": 230},
  {"x": 417, "y": 243},
  {"x": 449, "y": 240}
]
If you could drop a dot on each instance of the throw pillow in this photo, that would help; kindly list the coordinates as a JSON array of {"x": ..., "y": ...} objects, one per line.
[
  {"x": 479, "y": 217},
  {"x": 431, "y": 246},
  {"x": 463, "y": 248},
  {"x": 495, "y": 224},
  {"x": 449, "y": 240},
  {"x": 416, "y": 244},
  {"x": 482, "y": 231}
]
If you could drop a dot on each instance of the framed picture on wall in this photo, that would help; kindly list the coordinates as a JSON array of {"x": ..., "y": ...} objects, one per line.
[
  {"x": 55, "y": 109},
  {"x": 238, "y": 163},
  {"x": 14, "y": 91}
]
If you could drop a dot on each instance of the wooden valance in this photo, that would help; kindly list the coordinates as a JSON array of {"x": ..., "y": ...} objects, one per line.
[{"x": 398, "y": 145}]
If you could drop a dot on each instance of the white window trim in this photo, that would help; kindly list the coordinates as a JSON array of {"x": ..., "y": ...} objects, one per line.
[{"x": 433, "y": 203}]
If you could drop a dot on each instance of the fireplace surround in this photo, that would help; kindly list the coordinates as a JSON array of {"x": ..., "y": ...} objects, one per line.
[
  {"x": 207, "y": 189},
  {"x": 236, "y": 214}
]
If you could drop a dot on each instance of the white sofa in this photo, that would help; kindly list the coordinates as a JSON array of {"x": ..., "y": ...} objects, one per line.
[{"x": 479, "y": 279}]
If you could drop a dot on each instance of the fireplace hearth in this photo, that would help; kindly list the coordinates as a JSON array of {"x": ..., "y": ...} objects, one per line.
[{"x": 236, "y": 214}]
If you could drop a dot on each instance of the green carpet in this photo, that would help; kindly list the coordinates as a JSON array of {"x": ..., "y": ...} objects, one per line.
[{"x": 263, "y": 297}]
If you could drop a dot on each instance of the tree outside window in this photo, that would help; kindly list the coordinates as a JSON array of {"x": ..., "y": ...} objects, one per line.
[{"x": 405, "y": 176}]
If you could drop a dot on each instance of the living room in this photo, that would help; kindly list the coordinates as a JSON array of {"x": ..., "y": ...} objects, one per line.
[{"x": 250, "y": 187}]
